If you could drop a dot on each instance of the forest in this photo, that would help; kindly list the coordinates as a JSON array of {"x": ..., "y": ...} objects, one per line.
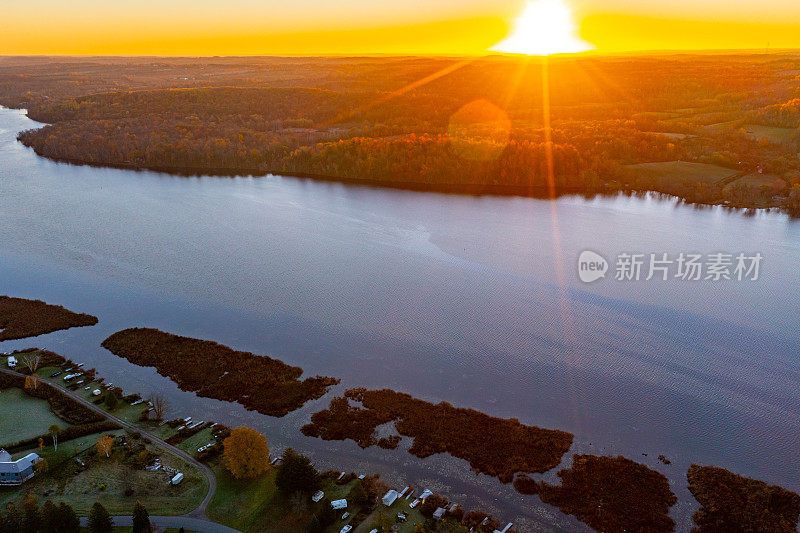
[{"x": 459, "y": 125}]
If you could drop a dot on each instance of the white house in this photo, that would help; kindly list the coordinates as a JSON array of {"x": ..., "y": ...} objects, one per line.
[
  {"x": 339, "y": 504},
  {"x": 16, "y": 472}
]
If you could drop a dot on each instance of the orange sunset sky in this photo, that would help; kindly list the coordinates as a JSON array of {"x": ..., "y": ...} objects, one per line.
[{"x": 303, "y": 27}]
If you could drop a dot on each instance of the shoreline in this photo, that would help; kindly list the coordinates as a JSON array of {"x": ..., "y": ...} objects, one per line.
[{"x": 474, "y": 190}]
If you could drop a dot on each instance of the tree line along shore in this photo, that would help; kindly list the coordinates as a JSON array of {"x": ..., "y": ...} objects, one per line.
[
  {"x": 606, "y": 493},
  {"x": 733, "y": 119}
]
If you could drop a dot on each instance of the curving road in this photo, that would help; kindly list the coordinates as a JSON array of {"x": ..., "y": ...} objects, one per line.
[{"x": 196, "y": 520}]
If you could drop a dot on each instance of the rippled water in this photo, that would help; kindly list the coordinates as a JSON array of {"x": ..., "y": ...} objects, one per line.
[{"x": 471, "y": 300}]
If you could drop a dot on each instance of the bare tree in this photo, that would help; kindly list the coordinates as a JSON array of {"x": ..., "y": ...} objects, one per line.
[
  {"x": 31, "y": 361},
  {"x": 159, "y": 404},
  {"x": 54, "y": 431}
]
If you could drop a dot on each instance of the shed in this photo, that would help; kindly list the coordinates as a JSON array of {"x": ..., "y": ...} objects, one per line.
[
  {"x": 439, "y": 513},
  {"x": 389, "y": 498},
  {"x": 177, "y": 479}
]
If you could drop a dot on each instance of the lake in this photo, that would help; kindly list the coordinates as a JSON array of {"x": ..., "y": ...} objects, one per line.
[{"x": 471, "y": 300}]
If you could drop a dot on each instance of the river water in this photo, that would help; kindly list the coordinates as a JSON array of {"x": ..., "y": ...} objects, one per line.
[{"x": 471, "y": 300}]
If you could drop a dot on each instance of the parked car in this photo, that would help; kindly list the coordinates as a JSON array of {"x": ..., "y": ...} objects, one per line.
[
  {"x": 346, "y": 515},
  {"x": 346, "y": 529}
]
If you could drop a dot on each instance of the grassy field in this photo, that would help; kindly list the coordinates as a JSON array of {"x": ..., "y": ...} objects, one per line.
[
  {"x": 672, "y": 173},
  {"x": 23, "y": 417},
  {"x": 201, "y": 438},
  {"x": 243, "y": 504},
  {"x": 774, "y": 135}
]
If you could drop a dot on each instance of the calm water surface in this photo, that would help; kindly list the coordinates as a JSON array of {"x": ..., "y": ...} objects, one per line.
[{"x": 474, "y": 301}]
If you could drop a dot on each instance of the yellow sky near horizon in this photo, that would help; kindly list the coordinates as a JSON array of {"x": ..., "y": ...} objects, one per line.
[{"x": 307, "y": 27}]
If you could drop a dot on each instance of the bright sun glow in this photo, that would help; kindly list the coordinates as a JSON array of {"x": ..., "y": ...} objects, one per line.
[{"x": 544, "y": 28}]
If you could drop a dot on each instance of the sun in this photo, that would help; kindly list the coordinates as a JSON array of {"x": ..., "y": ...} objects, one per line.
[{"x": 545, "y": 27}]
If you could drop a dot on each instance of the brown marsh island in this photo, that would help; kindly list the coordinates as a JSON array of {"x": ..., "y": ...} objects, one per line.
[
  {"x": 21, "y": 318},
  {"x": 258, "y": 382}
]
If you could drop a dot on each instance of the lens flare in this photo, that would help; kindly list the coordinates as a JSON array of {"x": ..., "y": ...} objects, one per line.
[{"x": 479, "y": 131}]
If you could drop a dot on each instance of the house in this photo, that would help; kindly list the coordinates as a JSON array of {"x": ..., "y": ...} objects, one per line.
[
  {"x": 177, "y": 479},
  {"x": 16, "y": 472},
  {"x": 389, "y": 498},
  {"x": 339, "y": 504},
  {"x": 317, "y": 496},
  {"x": 12, "y": 362},
  {"x": 438, "y": 514}
]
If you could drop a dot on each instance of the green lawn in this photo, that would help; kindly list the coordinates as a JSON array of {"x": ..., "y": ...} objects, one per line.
[
  {"x": 243, "y": 504},
  {"x": 201, "y": 438},
  {"x": 23, "y": 417}
]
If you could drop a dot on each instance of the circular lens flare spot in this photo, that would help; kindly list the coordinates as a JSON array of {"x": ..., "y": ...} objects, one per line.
[{"x": 479, "y": 131}]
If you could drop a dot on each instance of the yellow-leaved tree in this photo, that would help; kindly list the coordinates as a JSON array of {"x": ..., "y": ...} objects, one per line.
[
  {"x": 104, "y": 445},
  {"x": 246, "y": 454}
]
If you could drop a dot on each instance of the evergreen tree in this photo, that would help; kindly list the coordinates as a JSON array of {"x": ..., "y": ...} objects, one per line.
[
  {"x": 357, "y": 495},
  {"x": 141, "y": 519},
  {"x": 70, "y": 523},
  {"x": 50, "y": 516},
  {"x": 99, "y": 520},
  {"x": 296, "y": 474}
]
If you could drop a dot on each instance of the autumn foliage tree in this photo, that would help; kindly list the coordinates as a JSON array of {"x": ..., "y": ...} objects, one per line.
[
  {"x": 246, "y": 453},
  {"x": 104, "y": 445}
]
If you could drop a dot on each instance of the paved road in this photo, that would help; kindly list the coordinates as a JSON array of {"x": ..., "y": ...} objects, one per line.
[
  {"x": 199, "y": 514},
  {"x": 187, "y": 522}
]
